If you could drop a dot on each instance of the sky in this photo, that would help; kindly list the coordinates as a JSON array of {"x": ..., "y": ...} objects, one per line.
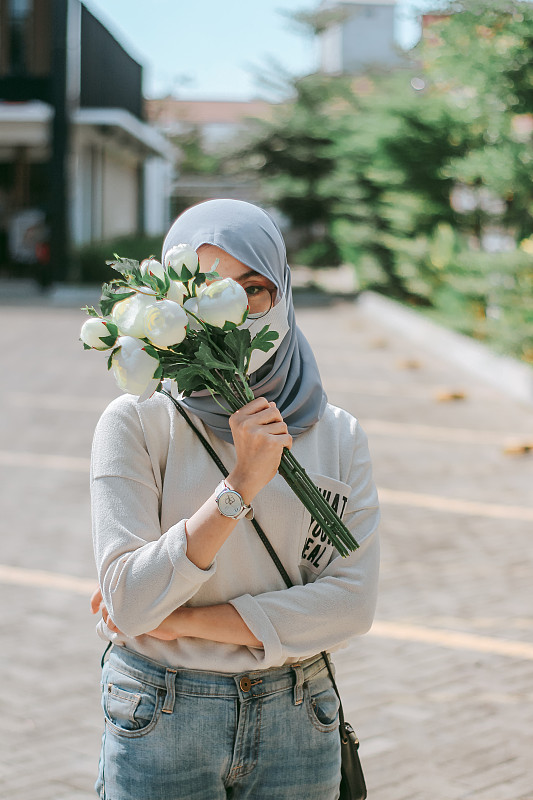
[{"x": 222, "y": 49}]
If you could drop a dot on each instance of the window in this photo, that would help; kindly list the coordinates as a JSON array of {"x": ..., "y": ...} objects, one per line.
[
  {"x": 16, "y": 36},
  {"x": 25, "y": 38},
  {"x": 19, "y": 16}
]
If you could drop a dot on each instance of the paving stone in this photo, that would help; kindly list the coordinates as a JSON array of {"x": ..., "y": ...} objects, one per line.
[{"x": 435, "y": 722}]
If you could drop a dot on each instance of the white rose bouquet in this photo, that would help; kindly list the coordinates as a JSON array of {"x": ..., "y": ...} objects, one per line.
[{"x": 173, "y": 322}]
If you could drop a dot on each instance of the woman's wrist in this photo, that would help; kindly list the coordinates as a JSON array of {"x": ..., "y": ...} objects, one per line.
[
  {"x": 218, "y": 623},
  {"x": 183, "y": 622},
  {"x": 240, "y": 481}
]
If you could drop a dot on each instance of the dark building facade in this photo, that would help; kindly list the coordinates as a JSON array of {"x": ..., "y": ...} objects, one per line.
[{"x": 70, "y": 94}]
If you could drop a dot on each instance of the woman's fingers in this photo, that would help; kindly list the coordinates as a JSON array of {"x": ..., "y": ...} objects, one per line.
[
  {"x": 96, "y": 601},
  {"x": 258, "y": 412},
  {"x": 108, "y": 621},
  {"x": 97, "y": 605},
  {"x": 259, "y": 435}
]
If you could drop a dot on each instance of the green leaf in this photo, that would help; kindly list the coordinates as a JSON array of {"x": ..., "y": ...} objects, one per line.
[
  {"x": 108, "y": 340},
  {"x": 185, "y": 275},
  {"x": 150, "y": 349},
  {"x": 137, "y": 275},
  {"x": 110, "y": 298},
  {"x": 91, "y": 311},
  {"x": 172, "y": 274},
  {"x": 158, "y": 373},
  {"x": 193, "y": 378},
  {"x": 86, "y": 346},
  {"x": 123, "y": 265},
  {"x": 112, "y": 328},
  {"x": 152, "y": 282},
  {"x": 212, "y": 276},
  {"x": 237, "y": 344},
  {"x": 207, "y": 359},
  {"x": 110, "y": 359},
  {"x": 264, "y": 340}
]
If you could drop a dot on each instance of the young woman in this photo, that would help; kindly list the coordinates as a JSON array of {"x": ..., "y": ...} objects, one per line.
[{"x": 215, "y": 687}]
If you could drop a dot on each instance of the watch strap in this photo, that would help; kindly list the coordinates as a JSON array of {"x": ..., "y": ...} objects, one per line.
[{"x": 246, "y": 510}]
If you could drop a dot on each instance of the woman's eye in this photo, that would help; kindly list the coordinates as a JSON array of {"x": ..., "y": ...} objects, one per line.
[{"x": 255, "y": 291}]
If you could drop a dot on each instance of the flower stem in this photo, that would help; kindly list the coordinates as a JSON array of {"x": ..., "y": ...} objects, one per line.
[
  {"x": 306, "y": 491},
  {"x": 236, "y": 392}
]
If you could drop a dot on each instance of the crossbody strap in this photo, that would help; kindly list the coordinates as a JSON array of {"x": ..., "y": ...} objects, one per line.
[
  {"x": 262, "y": 535},
  {"x": 272, "y": 553}
]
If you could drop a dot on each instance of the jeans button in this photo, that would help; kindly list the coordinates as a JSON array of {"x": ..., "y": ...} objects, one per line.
[{"x": 245, "y": 684}]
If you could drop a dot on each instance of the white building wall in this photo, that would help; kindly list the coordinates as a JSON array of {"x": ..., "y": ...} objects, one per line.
[
  {"x": 368, "y": 38},
  {"x": 158, "y": 175},
  {"x": 364, "y": 39},
  {"x": 81, "y": 197},
  {"x": 87, "y": 186},
  {"x": 120, "y": 188},
  {"x": 331, "y": 50}
]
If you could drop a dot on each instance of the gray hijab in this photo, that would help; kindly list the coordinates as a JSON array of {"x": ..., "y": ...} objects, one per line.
[{"x": 290, "y": 377}]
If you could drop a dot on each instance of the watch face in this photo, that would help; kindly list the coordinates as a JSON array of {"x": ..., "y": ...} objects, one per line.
[{"x": 230, "y": 503}]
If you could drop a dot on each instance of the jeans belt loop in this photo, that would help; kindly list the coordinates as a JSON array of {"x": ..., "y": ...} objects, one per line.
[
  {"x": 299, "y": 685},
  {"x": 170, "y": 681}
]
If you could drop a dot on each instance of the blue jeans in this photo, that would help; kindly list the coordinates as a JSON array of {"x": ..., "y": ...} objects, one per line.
[{"x": 192, "y": 735}]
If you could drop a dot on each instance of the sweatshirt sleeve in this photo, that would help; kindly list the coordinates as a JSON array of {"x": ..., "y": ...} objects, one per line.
[
  {"x": 144, "y": 574},
  {"x": 340, "y": 603}
]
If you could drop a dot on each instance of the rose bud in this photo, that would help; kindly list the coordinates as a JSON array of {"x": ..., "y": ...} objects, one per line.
[
  {"x": 128, "y": 314},
  {"x": 165, "y": 323},
  {"x": 153, "y": 267},
  {"x": 176, "y": 292},
  {"x": 222, "y": 301},
  {"x": 92, "y": 332},
  {"x": 181, "y": 255},
  {"x": 133, "y": 367}
]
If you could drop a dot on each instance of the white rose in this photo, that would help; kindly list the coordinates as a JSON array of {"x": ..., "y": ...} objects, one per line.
[
  {"x": 128, "y": 314},
  {"x": 176, "y": 292},
  {"x": 222, "y": 301},
  {"x": 165, "y": 323},
  {"x": 153, "y": 267},
  {"x": 92, "y": 332},
  {"x": 181, "y": 255},
  {"x": 133, "y": 367},
  {"x": 191, "y": 305}
]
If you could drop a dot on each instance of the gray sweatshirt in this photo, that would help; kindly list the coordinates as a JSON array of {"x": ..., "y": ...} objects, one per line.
[{"x": 150, "y": 473}]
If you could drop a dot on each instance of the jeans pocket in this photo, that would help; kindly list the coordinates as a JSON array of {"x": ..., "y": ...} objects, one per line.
[
  {"x": 131, "y": 707},
  {"x": 322, "y": 704}
]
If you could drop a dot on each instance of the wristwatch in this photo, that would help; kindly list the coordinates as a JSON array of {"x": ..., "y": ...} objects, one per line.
[{"x": 231, "y": 504}]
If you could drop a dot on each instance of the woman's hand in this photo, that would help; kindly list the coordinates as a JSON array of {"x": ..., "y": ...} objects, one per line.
[
  {"x": 168, "y": 629},
  {"x": 221, "y": 623},
  {"x": 97, "y": 604},
  {"x": 259, "y": 435}
]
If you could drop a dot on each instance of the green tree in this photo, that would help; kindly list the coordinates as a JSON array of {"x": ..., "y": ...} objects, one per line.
[
  {"x": 294, "y": 156},
  {"x": 423, "y": 178}
]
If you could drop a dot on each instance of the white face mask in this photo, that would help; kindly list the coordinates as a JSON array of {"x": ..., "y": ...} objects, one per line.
[{"x": 277, "y": 320}]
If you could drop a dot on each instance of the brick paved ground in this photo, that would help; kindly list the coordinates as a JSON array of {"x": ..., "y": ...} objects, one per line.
[{"x": 440, "y": 691}]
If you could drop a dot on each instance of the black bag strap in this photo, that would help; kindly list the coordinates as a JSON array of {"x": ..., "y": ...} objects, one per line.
[
  {"x": 262, "y": 535},
  {"x": 272, "y": 553}
]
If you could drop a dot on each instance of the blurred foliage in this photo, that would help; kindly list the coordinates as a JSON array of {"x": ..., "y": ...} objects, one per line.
[
  {"x": 421, "y": 178},
  {"x": 294, "y": 154},
  {"x": 195, "y": 159},
  {"x": 91, "y": 259}
]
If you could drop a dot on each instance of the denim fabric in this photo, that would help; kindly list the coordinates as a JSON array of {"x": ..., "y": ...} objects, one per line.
[{"x": 192, "y": 735}]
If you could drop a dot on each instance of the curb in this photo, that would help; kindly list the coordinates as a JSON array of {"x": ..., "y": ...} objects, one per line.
[{"x": 503, "y": 372}]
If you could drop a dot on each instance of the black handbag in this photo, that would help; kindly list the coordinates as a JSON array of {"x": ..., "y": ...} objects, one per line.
[{"x": 353, "y": 786}]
